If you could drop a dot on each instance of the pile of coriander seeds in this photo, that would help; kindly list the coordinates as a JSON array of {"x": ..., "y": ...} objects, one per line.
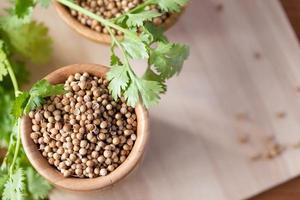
[
  {"x": 109, "y": 9},
  {"x": 84, "y": 133}
]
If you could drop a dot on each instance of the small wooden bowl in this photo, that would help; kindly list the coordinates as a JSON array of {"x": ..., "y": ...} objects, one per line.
[
  {"x": 101, "y": 37},
  {"x": 84, "y": 184}
]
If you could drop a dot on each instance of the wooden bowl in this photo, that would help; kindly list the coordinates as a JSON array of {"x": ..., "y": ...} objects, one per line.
[
  {"x": 84, "y": 184},
  {"x": 101, "y": 37}
]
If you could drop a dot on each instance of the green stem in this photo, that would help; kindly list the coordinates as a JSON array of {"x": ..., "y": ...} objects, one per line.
[
  {"x": 17, "y": 92},
  {"x": 103, "y": 21},
  {"x": 140, "y": 6},
  {"x": 17, "y": 148},
  {"x": 13, "y": 78},
  {"x": 119, "y": 45},
  {"x": 127, "y": 64}
]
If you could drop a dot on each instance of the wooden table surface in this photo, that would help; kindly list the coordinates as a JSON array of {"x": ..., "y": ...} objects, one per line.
[{"x": 244, "y": 62}]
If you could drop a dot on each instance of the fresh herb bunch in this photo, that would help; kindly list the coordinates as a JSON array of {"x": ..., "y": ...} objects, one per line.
[
  {"x": 142, "y": 40},
  {"x": 21, "y": 39}
]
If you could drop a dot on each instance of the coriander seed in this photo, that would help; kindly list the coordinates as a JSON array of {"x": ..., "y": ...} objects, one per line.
[{"x": 84, "y": 133}]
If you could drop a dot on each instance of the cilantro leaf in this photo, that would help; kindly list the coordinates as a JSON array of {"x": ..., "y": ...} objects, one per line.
[
  {"x": 137, "y": 19},
  {"x": 39, "y": 91},
  {"x": 30, "y": 40},
  {"x": 43, "y": 89},
  {"x": 132, "y": 94},
  {"x": 135, "y": 47},
  {"x": 168, "y": 58},
  {"x": 149, "y": 91},
  {"x": 37, "y": 186},
  {"x": 155, "y": 33},
  {"x": 14, "y": 188},
  {"x": 3, "y": 180},
  {"x": 3, "y": 70},
  {"x": 114, "y": 59},
  {"x": 119, "y": 79},
  {"x": 20, "y": 104},
  {"x": 33, "y": 103},
  {"x": 152, "y": 76},
  {"x": 171, "y": 5},
  {"x": 19, "y": 68},
  {"x": 6, "y": 121},
  {"x": 3, "y": 61},
  {"x": 23, "y": 7}
]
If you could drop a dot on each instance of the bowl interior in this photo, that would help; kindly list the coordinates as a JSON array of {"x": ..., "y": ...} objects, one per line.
[{"x": 84, "y": 184}]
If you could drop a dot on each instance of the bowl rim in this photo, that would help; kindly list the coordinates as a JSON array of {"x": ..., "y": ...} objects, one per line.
[
  {"x": 101, "y": 37},
  {"x": 84, "y": 184}
]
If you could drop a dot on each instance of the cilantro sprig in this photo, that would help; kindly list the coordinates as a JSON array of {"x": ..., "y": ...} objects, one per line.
[
  {"x": 13, "y": 182},
  {"x": 21, "y": 39},
  {"x": 165, "y": 59}
]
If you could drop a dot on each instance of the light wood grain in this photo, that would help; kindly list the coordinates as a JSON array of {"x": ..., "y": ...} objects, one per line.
[
  {"x": 78, "y": 184},
  {"x": 244, "y": 59},
  {"x": 101, "y": 37}
]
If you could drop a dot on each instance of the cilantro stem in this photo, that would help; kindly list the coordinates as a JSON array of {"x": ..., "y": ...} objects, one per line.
[
  {"x": 17, "y": 92},
  {"x": 17, "y": 148},
  {"x": 103, "y": 21},
  {"x": 13, "y": 78},
  {"x": 119, "y": 45},
  {"x": 140, "y": 6},
  {"x": 127, "y": 64}
]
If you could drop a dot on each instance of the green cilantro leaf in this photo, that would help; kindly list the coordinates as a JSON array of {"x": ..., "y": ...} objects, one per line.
[
  {"x": 20, "y": 104},
  {"x": 37, "y": 186},
  {"x": 3, "y": 180},
  {"x": 171, "y": 5},
  {"x": 23, "y": 7},
  {"x": 30, "y": 40},
  {"x": 33, "y": 103},
  {"x": 43, "y": 89},
  {"x": 3, "y": 61},
  {"x": 119, "y": 79},
  {"x": 132, "y": 94},
  {"x": 152, "y": 76},
  {"x": 168, "y": 58},
  {"x": 19, "y": 68},
  {"x": 149, "y": 91},
  {"x": 137, "y": 19},
  {"x": 135, "y": 47},
  {"x": 14, "y": 188},
  {"x": 155, "y": 33},
  {"x": 6, "y": 121},
  {"x": 39, "y": 91},
  {"x": 114, "y": 59}
]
